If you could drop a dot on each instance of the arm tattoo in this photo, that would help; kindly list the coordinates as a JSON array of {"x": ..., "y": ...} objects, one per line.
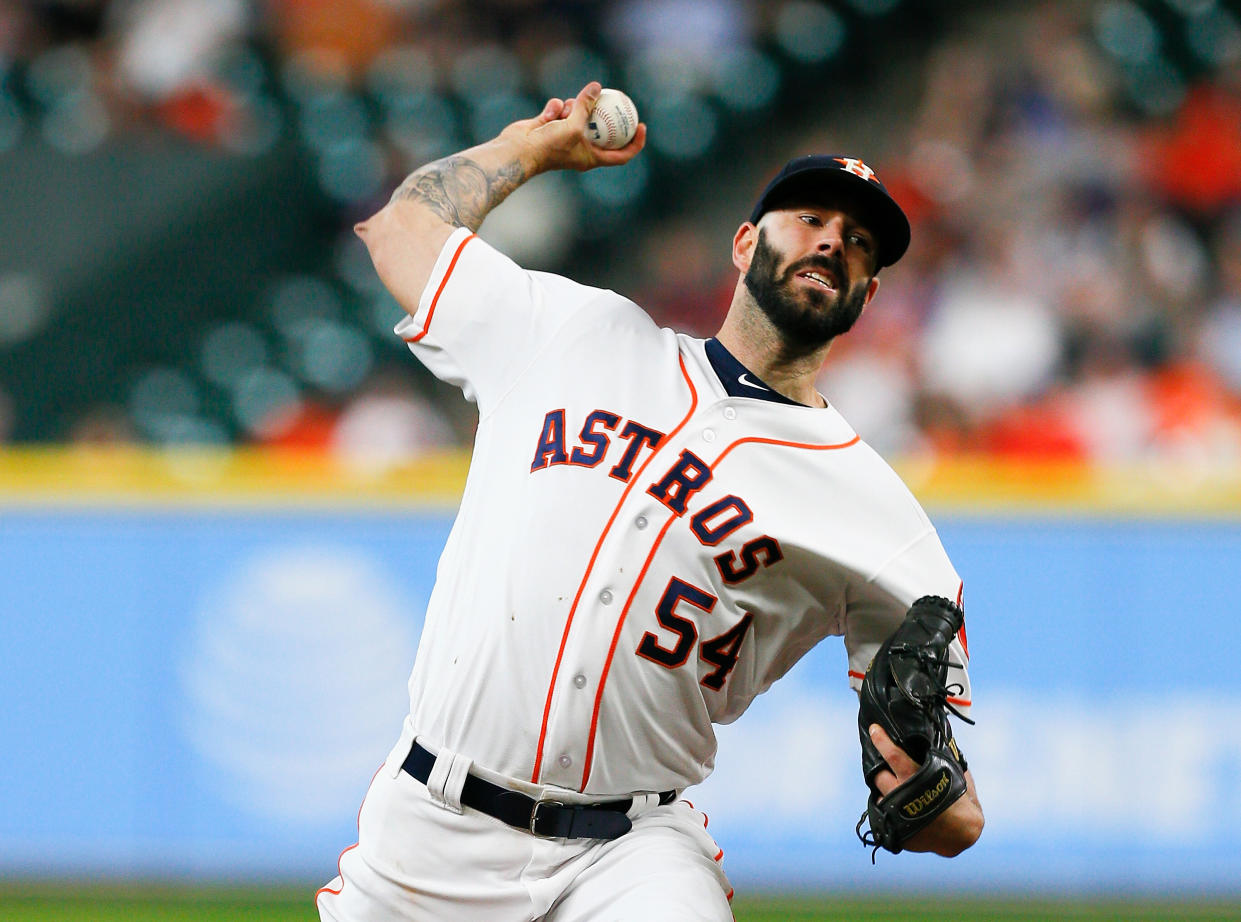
[{"x": 458, "y": 190}]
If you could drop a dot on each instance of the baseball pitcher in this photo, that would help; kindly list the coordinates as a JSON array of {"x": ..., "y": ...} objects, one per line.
[{"x": 654, "y": 529}]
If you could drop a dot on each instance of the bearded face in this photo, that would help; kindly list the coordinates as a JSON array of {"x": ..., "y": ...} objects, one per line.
[{"x": 807, "y": 316}]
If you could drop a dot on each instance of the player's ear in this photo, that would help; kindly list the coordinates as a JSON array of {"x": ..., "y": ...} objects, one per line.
[
  {"x": 871, "y": 289},
  {"x": 743, "y": 246}
]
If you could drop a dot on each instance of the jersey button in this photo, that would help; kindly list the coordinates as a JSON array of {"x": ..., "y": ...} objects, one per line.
[
  {"x": 640, "y": 521},
  {"x": 730, "y": 413},
  {"x": 708, "y": 435},
  {"x": 565, "y": 760},
  {"x": 579, "y": 681},
  {"x": 606, "y": 597}
]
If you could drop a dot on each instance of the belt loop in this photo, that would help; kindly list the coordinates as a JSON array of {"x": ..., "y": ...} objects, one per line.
[
  {"x": 448, "y": 778},
  {"x": 641, "y": 803}
]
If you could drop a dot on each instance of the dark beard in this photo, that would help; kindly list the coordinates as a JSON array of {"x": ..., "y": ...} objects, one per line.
[{"x": 803, "y": 327}]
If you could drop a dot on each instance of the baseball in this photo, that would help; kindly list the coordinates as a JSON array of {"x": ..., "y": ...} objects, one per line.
[{"x": 613, "y": 122}]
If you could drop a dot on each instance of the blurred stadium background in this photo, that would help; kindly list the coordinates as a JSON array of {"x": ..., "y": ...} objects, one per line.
[{"x": 224, "y": 483}]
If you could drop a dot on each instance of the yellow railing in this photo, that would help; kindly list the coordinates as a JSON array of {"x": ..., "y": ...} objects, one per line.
[
  {"x": 976, "y": 484},
  {"x": 212, "y": 477},
  {"x": 256, "y": 477}
]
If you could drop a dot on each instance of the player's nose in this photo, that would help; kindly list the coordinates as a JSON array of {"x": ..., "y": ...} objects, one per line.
[{"x": 831, "y": 236}]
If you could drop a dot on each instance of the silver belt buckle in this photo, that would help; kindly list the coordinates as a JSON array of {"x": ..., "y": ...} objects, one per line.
[{"x": 534, "y": 817}]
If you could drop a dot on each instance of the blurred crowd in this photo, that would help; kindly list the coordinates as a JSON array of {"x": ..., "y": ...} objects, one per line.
[
  {"x": 1074, "y": 287},
  {"x": 1072, "y": 171}
]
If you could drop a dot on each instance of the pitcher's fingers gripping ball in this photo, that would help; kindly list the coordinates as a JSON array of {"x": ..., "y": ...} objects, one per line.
[
  {"x": 613, "y": 122},
  {"x": 906, "y": 691}
]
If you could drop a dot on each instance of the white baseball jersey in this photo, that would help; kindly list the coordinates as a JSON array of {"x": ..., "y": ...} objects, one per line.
[{"x": 637, "y": 554}]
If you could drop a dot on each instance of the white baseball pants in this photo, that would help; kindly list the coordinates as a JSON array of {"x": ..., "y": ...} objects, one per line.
[{"x": 419, "y": 860}]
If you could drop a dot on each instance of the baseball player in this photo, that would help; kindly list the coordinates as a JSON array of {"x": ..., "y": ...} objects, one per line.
[{"x": 653, "y": 530}]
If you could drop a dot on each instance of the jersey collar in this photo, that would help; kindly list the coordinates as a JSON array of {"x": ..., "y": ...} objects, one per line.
[{"x": 738, "y": 380}]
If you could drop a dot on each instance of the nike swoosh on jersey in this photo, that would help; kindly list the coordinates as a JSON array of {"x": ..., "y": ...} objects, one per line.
[{"x": 741, "y": 380}]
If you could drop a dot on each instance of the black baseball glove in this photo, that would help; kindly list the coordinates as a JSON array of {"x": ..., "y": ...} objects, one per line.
[{"x": 905, "y": 691}]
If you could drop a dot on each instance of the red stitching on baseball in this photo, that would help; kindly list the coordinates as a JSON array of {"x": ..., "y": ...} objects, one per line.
[{"x": 606, "y": 117}]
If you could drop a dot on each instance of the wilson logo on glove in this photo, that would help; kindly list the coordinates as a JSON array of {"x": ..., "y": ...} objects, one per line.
[{"x": 915, "y": 806}]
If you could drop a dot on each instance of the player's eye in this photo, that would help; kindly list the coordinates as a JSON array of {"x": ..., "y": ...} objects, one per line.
[
  {"x": 861, "y": 240},
  {"x": 811, "y": 219}
]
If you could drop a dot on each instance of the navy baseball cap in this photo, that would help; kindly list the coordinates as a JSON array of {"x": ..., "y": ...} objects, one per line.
[{"x": 830, "y": 178}]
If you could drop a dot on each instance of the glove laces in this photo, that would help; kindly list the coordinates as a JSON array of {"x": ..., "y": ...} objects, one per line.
[
  {"x": 869, "y": 839},
  {"x": 942, "y": 691}
]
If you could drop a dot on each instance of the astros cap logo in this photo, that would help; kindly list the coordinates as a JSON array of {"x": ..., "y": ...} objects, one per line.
[{"x": 857, "y": 168}]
